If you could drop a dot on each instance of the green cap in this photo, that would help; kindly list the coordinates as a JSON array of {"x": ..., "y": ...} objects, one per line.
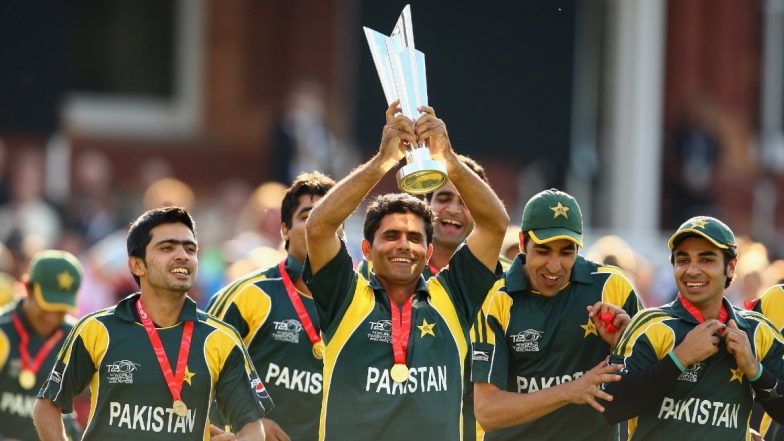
[
  {"x": 552, "y": 215},
  {"x": 55, "y": 277},
  {"x": 712, "y": 229}
]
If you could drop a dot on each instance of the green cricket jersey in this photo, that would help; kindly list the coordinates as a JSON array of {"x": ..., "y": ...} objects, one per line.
[
  {"x": 16, "y": 403},
  {"x": 524, "y": 342},
  {"x": 110, "y": 351},
  {"x": 712, "y": 399},
  {"x": 259, "y": 307},
  {"x": 771, "y": 305},
  {"x": 361, "y": 401}
]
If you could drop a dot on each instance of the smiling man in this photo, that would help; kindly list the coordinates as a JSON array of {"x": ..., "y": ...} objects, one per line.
[
  {"x": 154, "y": 362},
  {"x": 273, "y": 310},
  {"x": 693, "y": 368},
  {"x": 538, "y": 344},
  {"x": 396, "y": 343}
]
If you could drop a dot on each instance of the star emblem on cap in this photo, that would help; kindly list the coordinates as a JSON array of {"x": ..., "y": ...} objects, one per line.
[
  {"x": 560, "y": 210},
  {"x": 426, "y": 328},
  {"x": 699, "y": 223},
  {"x": 737, "y": 374},
  {"x": 590, "y": 328},
  {"x": 65, "y": 280},
  {"x": 188, "y": 376}
]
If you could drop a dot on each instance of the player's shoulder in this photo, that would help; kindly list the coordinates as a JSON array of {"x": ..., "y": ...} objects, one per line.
[{"x": 212, "y": 324}]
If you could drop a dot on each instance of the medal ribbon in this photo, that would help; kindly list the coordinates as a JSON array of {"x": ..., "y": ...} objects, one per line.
[
  {"x": 174, "y": 381},
  {"x": 723, "y": 314},
  {"x": 401, "y": 329},
  {"x": 24, "y": 339},
  {"x": 302, "y": 313},
  {"x": 433, "y": 269}
]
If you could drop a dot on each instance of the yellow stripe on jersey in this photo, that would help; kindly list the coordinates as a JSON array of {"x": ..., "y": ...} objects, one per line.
[
  {"x": 639, "y": 320},
  {"x": 772, "y": 304},
  {"x": 95, "y": 338},
  {"x": 94, "y": 386},
  {"x": 218, "y": 345},
  {"x": 617, "y": 287},
  {"x": 499, "y": 306},
  {"x": 443, "y": 304},
  {"x": 226, "y": 296},
  {"x": 76, "y": 332},
  {"x": 5, "y": 349},
  {"x": 764, "y": 334},
  {"x": 660, "y": 335},
  {"x": 254, "y": 306},
  {"x": 362, "y": 304},
  {"x": 632, "y": 427}
]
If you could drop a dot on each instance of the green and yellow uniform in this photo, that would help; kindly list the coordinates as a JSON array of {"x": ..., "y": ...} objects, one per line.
[
  {"x": 361, "y": 401},
  {"x": 16, "y": 402},
  {"x": 469, "y": 420},
  {"x": 711, "y": 399},
  {"x": 110, "y": 351},
  {"x": 259, "y": 307},
  {"x": 771, "y": 305},
  {"x": 524, "y": 342}
]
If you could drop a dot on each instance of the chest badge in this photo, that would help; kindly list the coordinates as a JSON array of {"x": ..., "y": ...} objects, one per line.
[
  {"x": 426, "y": 328},
  {"x": 737, "y": 374},
  {"x": 188, "y": 376},
  {"x": 590, "y": 328}
]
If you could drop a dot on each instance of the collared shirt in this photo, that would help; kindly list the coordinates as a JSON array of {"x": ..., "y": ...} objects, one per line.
[
  {"x": 259, "y": 307},
  {"x": 110, "y": 351},
  {"x": 16, "y": 403},
  {"x": 361, "y": 401},
  {"x": 712, "y": 398},
  {"x": 524, "y": 342}
]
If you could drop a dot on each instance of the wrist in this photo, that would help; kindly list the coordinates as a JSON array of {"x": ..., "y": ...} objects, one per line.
[
  {"x": 678, "y": 363},
  {"x": 755, "y": 373},
  {"x": 682, "y": 358}
]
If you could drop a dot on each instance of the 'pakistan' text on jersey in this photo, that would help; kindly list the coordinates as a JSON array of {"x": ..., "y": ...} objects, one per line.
[
  {"x": 712, "y": 399},
  {"x": 361, "y": 401},
  {"x": 110, "y": 351},
  {"x": 259, "y": 307},
  {"x": 16, "y": 403},
  {"x": 524, "y": 342}
]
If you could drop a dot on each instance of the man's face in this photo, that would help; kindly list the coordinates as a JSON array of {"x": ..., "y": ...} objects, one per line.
[
  {"x": 296, "y": 234},
  {"x": 399, "y": 250},
  {"x": 43, "y": 322},
  {"x": 699, "y": 271},
  {"x": 452, "y": 222},
  {"x": 171, "y": 261},
  {"x": 548, "y": 266}
]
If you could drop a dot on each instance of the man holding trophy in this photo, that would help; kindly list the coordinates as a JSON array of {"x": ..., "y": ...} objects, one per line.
[{"x": 395, "y": 344}]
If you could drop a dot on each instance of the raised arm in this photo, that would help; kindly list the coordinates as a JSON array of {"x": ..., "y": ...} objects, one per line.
[
  {"x": 333, "y": 209},
  {"x": 488, "y": 211}
]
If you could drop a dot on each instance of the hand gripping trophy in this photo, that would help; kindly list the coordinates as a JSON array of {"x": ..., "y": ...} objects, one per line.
[{"x": 401, "y": 69}]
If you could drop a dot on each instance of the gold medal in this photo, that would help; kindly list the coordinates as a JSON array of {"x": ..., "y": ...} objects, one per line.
[
  {"x": 27, "y": 379},
  {"x": 180, "y": 409},
  {"x": 399, "y": 373},
  {"x": 318, "y": 349}
]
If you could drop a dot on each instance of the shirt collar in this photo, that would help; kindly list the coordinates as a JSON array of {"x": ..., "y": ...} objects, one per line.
[
  {"x": 516, "y": 280},
  {"x": 293, "y": 268},
  {"x": 126, "y": 309},
  {"x": 420, "y": 289},
  {"x": 682, "y": 313}
]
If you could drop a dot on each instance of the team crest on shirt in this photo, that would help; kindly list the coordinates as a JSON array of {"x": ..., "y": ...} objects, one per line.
[
  {"x": 121, "y": 372},
  {"x": 380, "y": 331},
  {"x": 692, "y": 372},
  {"x": 526, "y": 341},
  {"x": 287, "y": 330}
]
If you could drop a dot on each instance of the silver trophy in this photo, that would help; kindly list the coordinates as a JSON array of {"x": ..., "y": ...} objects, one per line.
[{"x": 401, "y": 69}]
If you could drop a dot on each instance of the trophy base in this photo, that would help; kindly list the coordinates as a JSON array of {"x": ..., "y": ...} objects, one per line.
[{"x": 422, "y": 177}]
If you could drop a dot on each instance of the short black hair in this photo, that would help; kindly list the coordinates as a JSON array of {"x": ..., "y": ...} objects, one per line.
[
  {"x": 314, "y": 184},
  {"x": 470, "y": 163},
  {"x": 396, "y": 203},
  {"x": 139, "y": 233}
]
